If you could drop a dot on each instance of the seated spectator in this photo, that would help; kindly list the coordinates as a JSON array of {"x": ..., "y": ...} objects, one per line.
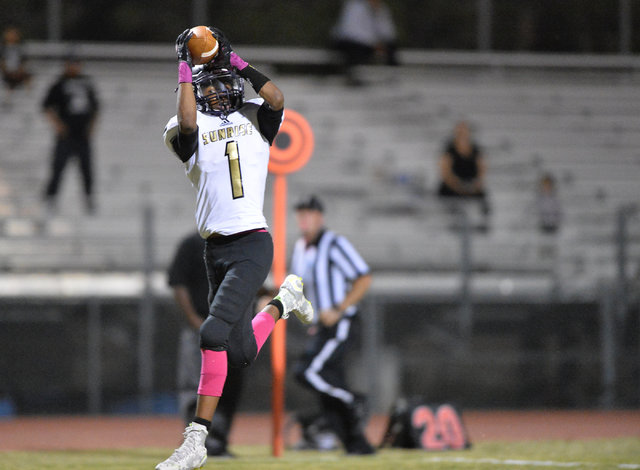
[
  {"x": 365, "y": 34},
  {"x": 462, "y": 170},
  {"x": 13, "y": 61},
  {"x": 548, "y": 205}
]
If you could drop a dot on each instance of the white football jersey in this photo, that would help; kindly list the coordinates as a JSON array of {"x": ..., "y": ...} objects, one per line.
[{"x": 228, "y": 170}]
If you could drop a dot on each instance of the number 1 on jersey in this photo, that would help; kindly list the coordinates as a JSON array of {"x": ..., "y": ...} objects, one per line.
[{"x": 231, "y": 152}]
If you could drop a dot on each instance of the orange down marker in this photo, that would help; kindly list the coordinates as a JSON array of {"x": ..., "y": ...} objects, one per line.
[{"x": 290, "y": 152}]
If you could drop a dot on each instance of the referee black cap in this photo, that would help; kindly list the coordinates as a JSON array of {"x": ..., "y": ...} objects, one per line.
[{"x": 310, "y": 203}]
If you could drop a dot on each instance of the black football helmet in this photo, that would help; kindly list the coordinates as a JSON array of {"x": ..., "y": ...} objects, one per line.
[{"x": 218, "y": 91}]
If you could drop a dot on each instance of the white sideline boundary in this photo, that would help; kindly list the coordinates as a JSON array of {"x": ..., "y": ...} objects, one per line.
[{"x": 528, "y": 463}]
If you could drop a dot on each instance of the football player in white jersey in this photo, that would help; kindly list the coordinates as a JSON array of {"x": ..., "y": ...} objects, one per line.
[{"x": 224, "y": 143}]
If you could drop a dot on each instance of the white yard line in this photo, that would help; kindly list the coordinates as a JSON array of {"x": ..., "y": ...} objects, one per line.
[{"x": 529, "y": 463}]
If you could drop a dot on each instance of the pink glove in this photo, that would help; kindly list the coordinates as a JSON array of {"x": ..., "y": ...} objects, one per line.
[{"x": 237, "y": 62}]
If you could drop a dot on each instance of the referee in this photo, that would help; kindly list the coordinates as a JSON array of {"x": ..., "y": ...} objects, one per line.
[{"x": 335, "y": 279}]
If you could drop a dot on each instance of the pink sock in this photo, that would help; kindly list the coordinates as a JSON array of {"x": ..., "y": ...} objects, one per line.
[
  {"x": 213, "y": 373},
  {"x": 263, "y": 324}
]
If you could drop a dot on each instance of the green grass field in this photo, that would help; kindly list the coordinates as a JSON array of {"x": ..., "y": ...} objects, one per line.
[{"x": 599, "y": 454}]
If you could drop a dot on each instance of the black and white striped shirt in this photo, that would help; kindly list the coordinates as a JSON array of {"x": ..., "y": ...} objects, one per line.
[{"x": 328, "y": 268}]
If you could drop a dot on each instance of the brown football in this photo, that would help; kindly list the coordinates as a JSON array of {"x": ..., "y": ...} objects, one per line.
[{"x": 202, "y": 45}]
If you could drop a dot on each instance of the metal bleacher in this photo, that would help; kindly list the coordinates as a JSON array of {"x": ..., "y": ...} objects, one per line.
[
  {"x": 583, "y": 126},
  {"x": 375, "y": 164},
  {"x": 133, "y": 169}
]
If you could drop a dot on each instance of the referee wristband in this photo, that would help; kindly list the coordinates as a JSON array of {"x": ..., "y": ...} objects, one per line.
[{"x": 256, "y": 78}]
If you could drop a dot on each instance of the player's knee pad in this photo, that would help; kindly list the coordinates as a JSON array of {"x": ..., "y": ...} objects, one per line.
[
  {"x": 243, "y": 348},
  {"x": 214, "y": 334}
]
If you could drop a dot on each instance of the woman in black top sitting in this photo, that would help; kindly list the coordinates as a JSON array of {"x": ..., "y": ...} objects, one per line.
[{"x": 463, "y": 168}]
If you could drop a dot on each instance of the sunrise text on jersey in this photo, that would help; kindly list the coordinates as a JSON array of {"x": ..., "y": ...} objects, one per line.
[{"x": 226, "y": 133}]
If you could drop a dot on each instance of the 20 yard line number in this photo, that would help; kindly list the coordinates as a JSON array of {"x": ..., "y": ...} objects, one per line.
[{"x": 440, "y": 430}]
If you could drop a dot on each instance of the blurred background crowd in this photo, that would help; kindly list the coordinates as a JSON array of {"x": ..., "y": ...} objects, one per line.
[{"x": 542, "y": 25}]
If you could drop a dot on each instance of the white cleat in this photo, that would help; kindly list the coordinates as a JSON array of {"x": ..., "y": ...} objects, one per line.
[
  {"x": 293, "y": 300},
  {"x": 192, "y": 454}
]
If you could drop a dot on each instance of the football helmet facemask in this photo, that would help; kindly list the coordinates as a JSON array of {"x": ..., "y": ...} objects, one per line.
[{"x": 218, "y": 92}]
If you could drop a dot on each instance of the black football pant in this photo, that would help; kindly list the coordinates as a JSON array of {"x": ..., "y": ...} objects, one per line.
[
  {"x": 66, "y": 148},
  {"x": 237, "y": 266}
]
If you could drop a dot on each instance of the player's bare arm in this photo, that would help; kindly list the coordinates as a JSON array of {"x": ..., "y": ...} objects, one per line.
[
  {"x": 186, "y": 109},
  {"x": 186, "y": 97},
  {"x": 261, "y": 84},
  {"x": 272, "y": 95}
]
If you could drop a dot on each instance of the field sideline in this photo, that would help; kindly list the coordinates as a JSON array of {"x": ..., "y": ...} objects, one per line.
[
  {"x": 501, "y": 439},
  {"x": 594, "y": 454}
]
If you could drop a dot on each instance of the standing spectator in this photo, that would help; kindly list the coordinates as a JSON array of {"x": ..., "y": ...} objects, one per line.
[
  {"x": 364, "y": 34},
  {"x": 71, "y": 105},
  {"x": 13, "y": 62},
  {"x": 336, "y": 278},
  {"x": 223, "y": 143},
  {"x": 463, "y": 169},
  {"x": 548, "y": 205},
  {"x": 188, "y": 280}
]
